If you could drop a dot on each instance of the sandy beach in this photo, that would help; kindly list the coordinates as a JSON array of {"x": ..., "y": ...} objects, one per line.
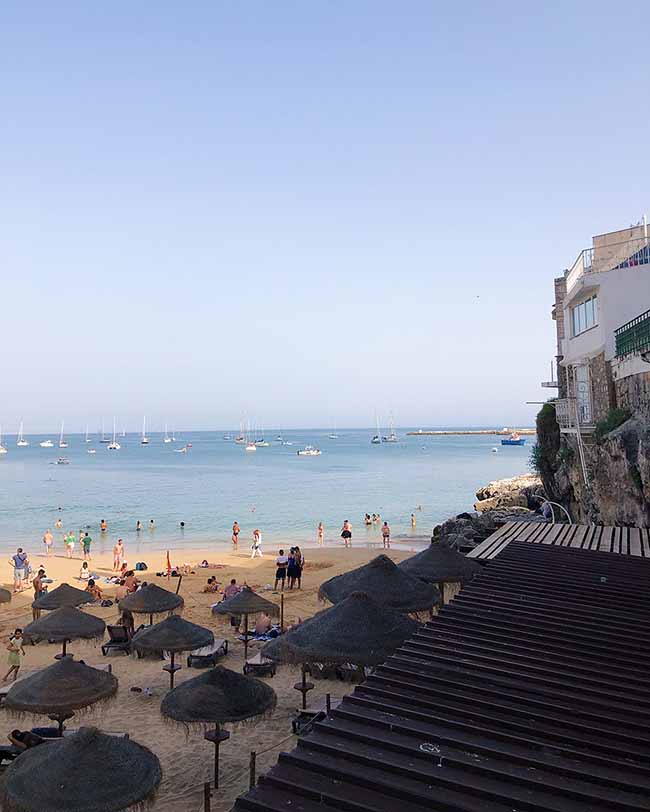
[{"x": 187, "y": 760}]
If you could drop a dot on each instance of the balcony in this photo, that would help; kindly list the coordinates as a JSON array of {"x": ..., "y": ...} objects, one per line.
[
  {"x": 573, "y": 415},
  {"x": 606, "y": 256},
  {"x": 633, "y": 338}
]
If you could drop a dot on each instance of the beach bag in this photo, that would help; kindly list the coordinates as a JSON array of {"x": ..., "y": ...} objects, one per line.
[{"x": 140, "y": 566}]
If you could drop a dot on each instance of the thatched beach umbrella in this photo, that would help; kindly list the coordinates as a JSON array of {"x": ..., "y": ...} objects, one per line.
[
  {"x": 64, "y": 595},
  {"x": 440, "y": 564},
  {"x": 218, "y": 697},
  {"x": 5, "y": 595},
  {"x": 174, "y": 634},
  {"x": 63, "y": 625},
  {"x": 60, "y": 689},
  {"x": 89, "y": 772},
  {"x": 357, "y": 630},
  {"x": 245, "y": 603},
  {"x": 151, "y": 600},
  {"x": 383, "y": 581}
]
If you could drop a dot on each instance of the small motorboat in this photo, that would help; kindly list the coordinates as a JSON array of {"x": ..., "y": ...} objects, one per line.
[
  {"x": 250, "y": 447},
  {"x": 91, "y": 451},
  {"x": 262, "y": 443},
  {"x": 227, "y": 437},
  {"x": 47, "y": 444},
  {"x": 495, "y": 450},
  {"x": 309, "y": 451},
  {"x": 182, "y": 450},
  {"x": 376, "y": 440},
  {"x": 333, "y": 436},
  {"x": 514, "y": 439},
  {"x": 114, "y": 446},
  {"x": 63, "y": 461}
]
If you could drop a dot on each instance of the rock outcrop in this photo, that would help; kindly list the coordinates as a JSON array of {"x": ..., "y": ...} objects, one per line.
[{"x": 519, "y": 491}]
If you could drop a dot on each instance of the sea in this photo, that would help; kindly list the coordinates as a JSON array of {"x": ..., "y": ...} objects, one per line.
[{"x": 217, "y": 482}]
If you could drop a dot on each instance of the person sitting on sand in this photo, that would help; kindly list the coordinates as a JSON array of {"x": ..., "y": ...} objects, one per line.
[
  {"x": 130, "y": 581},
  {"x": 232, "y": 589},
  {"x": 212, "y": 585},
  {"x": 263, "y": 624},
  {"x": 94, "y": 591},
  {"x": 16, "y": 650},
  {"x": 84, "y": 572}
]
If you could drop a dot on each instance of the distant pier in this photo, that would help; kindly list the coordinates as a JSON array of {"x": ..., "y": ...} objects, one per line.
[{"x": 446, "y": 432}]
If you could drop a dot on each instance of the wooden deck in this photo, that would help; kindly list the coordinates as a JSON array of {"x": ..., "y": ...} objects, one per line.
[{"x": 633, "y": 541}]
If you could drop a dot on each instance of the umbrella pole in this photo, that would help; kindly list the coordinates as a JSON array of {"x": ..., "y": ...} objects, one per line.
[
  {"x": 245, "y": 639},
  {"x": 282, "y": 611},
  {"x": 304, "y": 687},
  {"x": 216, "y": 736},
  {"x": 63, "y": 653},
  {"x": 171, "y": 672}
]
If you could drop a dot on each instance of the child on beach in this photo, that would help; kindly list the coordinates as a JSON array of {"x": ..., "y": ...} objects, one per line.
[{"x": 15, "y": 649}]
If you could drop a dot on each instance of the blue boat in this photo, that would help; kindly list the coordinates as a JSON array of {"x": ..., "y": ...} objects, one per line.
[{"x": 514, "y": 439}]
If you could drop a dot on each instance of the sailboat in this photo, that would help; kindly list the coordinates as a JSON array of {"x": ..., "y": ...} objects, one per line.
[
  {"x": 113, "y": 445},
  {"x": 173, "y": 435},
  {"x": 376, "y": 439},
  {"x": 145, "y": 439},
  {"x": 262, "y": 442},
  {"x": 3, "y": 449},
  {"x": 21, "y": 442},
  {"x": 104, "y": 438},
  {"x": 166, "y": 438},
  {"x": 88, "y": 440},
  {"x": 333, "y": 435},
  {"x": 62, "y": 442},
  {"x": 391, "y": 437}
]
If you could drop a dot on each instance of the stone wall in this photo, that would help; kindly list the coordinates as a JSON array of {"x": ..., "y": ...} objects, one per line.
[
  {"x": 603, "y": 396},
  {"x": 633, "y": 393}
]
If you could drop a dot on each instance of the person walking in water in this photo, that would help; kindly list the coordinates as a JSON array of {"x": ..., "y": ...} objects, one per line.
[
  {"x": 16, "y": 650},
  {"x": 103, "y": 526},
  {"x": 413, "y": 522},
  {"x": 235, "y": 533},
  {"x": 48, "y": 538},
  {"x": 346, "y": 533},
  {"x": 321, "y": 533},
  {"x": 138, "y": 526},
  {"x": 118, "y": 555},
  {"x": 257, "y": 544},
  {"x": 385, "y": 535}
]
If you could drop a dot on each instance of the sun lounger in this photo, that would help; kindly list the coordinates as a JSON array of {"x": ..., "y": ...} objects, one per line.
[
  {"x": 260, "y": 666},
  {"x": 207, "y": 656},
  {"x": 119, "y": 640}
]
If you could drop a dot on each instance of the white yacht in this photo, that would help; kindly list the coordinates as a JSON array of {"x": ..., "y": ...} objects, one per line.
[
  {"x": 88, "y": 440},
  {"x": 46, "y": 444},
  {"x": 309, "y": 451},
  {"x": 91, "y": 451},
  {"x": 250, "y": 446},
  {"x": 62, "y": 442},
  {"x": 166, "y": 438},
  {"x": 113, "y": 445}
]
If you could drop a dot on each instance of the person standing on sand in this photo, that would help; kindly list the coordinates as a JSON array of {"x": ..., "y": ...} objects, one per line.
[
  {"x": 346, "y": 533},
  {"x": 37, "y": 583},
  {"x": 385, "y": 535},
  {"x": 69, "y": 543},
  {"x": 257, "y": 544},
  {"x": 86, "y": 542},
  {"x": 15, "y": 649},
  {"x": 19, "y": 563},
  {"x": 281, "y": 564},
  {"x": 321, "y": 533},
  {"x": 118, "y": 555},
  {"x": 235, "y": 533},
  {"x": 48, "y": 538}
]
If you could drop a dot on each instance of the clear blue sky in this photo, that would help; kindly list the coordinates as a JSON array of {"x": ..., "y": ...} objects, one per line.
[{"x": 303, "y": 210}]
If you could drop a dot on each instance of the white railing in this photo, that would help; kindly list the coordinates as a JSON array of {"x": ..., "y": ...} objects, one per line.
[
  {"x": 563, "y": 413},
  {"x": 607, "y": 256}
]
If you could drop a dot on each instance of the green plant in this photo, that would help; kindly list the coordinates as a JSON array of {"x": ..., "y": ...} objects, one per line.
[
  {"x": 564, "y": 455},
  {"x": 615, "y": 418},
  {"x": 536, "y": 459}
]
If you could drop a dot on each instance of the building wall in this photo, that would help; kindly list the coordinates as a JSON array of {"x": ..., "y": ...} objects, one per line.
[
  {"x": 558, "y": 316},
  {"x": 603, "y": 396}
]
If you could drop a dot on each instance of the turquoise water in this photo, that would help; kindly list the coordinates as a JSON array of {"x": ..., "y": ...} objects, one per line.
[{"x": 217, "y": 482}]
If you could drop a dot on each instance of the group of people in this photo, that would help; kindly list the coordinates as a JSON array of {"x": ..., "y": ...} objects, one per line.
[{"x": 289, "y": 567}]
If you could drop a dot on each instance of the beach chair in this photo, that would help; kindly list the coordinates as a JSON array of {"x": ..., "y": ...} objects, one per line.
[
  {"x": 208, "y": 656},
  {"x": 260, "y": 666},
  {"x": 119, "y": 640}
]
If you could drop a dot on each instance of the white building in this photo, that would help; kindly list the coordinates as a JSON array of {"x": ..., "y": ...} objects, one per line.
[{"x": 602, "y": 312}]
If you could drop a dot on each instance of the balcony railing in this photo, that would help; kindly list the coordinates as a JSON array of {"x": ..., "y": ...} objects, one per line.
[
  {"x": 633, "y": 338},
  {"x": 609, "y": 256},
  {"x": 574, "y": 414}
]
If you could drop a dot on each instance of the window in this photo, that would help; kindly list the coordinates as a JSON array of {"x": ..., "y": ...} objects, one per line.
[{"x": 585, "y": 315}]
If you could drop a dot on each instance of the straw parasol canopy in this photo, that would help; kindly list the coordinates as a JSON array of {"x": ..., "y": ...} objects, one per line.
[
  {"x": 151, "y": 600},
  {"x": 218, "y": 697},
  {"x": 61, "y": 689},
  {"x": 5, "y": 595},
  {"x": 440, "y": 563},
  {"x": 63, "y": 625},
  {"x": 174, "y": 634},
  {"x": 245, "y": 603},
  {"x": 357, "y": 630},
  {"x": 383, "y": 581},
  {"x": 64, "y": 595},
  {"x": 90, "y": 772}
]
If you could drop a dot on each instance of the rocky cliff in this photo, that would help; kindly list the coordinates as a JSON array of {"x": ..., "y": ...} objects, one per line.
[{"x": 617, "y": 465}]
